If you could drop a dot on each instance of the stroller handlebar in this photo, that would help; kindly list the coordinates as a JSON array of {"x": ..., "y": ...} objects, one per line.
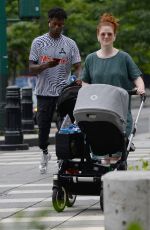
[{"x": 134, "y": 92}]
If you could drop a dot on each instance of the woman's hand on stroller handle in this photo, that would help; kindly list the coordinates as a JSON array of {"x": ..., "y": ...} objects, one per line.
[
  {"x": 135, "y": 92},
  {"x": 132, "y": 91}
]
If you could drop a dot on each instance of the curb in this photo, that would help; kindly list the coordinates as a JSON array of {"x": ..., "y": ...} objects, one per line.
[
  {"x": 31, "y": 139},
  {"x": 34, "y": 141}
]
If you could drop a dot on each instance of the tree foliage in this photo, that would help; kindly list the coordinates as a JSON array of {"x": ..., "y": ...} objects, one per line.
[
  {"x": 83, "y": 16},
  {"x": 134, "y": 31}
]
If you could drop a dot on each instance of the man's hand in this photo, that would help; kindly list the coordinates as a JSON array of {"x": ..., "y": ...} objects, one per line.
[
  {"x": 35, "y": 68},
  {"x": 79, "y": 82}
]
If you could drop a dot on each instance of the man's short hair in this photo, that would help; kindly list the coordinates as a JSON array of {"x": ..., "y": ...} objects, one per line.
[{"x": 58, "y": 13}]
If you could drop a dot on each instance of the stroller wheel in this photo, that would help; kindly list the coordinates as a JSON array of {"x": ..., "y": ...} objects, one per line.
[
  {"x": 123, "y": 166},
  {"x": 70, "y": 200},
  {"x": 59, "y": 198},
  {"x": 101, "y": 200}
]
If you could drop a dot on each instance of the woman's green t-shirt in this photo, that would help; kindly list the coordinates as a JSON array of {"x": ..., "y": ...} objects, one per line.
[{"x": 119, "y": 70}]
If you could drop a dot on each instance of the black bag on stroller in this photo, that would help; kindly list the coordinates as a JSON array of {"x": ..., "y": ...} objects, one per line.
[
  {"x": 69, "y": 145},
  {"x": 67, "y": 100}
]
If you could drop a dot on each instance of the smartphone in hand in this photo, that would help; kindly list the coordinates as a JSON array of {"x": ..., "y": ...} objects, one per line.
[{"x": 57, "y": 59}]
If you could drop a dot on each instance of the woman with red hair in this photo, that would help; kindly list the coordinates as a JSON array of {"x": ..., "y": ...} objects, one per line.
[{"x": 109, "y": 65}]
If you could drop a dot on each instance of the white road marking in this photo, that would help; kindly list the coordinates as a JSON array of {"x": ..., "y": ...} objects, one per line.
[
  {"x": 30, "y": 191},
  {"x": 25, "y": 185},
  {"x": 52, "y": 218},
  {"x": 28, "y": 200}
]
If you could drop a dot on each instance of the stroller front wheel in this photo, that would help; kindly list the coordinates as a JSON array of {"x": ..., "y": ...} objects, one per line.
[
  {"x": 70, "y": 200},
  {"x": 59, "y": 198}
]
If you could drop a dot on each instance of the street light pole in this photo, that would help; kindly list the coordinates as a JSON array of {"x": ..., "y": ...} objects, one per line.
[{"x": 3, "y": 62}]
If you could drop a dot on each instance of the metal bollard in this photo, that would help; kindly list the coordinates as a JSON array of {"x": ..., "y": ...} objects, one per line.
[
  {"x": 27, "y": 110},
  {"x": 13, "y": 128}
]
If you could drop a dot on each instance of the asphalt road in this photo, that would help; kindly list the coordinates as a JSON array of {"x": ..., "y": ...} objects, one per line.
[{"x": 25, "y": 195}]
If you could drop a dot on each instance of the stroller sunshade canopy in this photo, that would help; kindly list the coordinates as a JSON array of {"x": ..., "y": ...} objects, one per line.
[{"x": 102, "y": 101}]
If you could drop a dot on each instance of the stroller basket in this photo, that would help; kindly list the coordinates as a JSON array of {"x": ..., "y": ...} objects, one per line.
[{"x": 69, "y": 145}]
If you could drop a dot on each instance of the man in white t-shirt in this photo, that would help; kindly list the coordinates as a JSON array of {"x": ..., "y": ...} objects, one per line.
[{"x": 51, "y": 58}]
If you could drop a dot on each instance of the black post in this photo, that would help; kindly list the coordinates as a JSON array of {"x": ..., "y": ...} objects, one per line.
[
  {"x": 13, "y": 128},
  {"x": 3, "y": 62},
  {"x": 27, "y": 110}
]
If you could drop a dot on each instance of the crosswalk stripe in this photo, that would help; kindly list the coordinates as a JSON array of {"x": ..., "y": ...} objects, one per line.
[
  {"x": 20, "y": 163},
  {"x": 24, "y": 158},
  {"x": 23, "y": 200},
  {"x": 37, "y": 162},
  {"x": 55, "y": 219},
  {"x": 139, "y": 154},
  {"x": 16, "y": 161},
  {"x": 2, "y": 210},
  {"x": 30, "y": 191},
  {"x": 23, "y": 152},
  {"x": 25, "y": 185},
  {"x": 138, "y": 159},
  {"x": 28, "y": 200}
]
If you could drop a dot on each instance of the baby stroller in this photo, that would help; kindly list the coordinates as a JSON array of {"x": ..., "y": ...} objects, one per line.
[{"x": 101, "y": 113}]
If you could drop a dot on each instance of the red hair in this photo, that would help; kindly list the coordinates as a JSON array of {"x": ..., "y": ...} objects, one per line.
[{"x": 108, "y": 19}]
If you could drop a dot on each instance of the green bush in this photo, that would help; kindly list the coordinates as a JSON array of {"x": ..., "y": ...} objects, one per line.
[
  {"x": 134, "y": 226},
  {"x": 145, "y": 166}
]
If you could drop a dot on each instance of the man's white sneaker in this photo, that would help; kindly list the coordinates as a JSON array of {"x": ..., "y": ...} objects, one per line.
[
  {"x": 44, "y": 163},
  {"x": 49, "y": 156}
]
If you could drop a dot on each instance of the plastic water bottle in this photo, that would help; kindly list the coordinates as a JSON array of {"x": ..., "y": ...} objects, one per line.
[
  {"x": 72, "y": 79},
  {"x": 72, "y": 128},
  {"x": 64, "y": 130}
]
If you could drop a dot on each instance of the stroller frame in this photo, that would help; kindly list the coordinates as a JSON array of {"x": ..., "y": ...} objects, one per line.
[{"x": 75, "y": 176}]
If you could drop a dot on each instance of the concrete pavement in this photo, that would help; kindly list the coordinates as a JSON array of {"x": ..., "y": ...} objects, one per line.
[{"x": 24, "y": 190}]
